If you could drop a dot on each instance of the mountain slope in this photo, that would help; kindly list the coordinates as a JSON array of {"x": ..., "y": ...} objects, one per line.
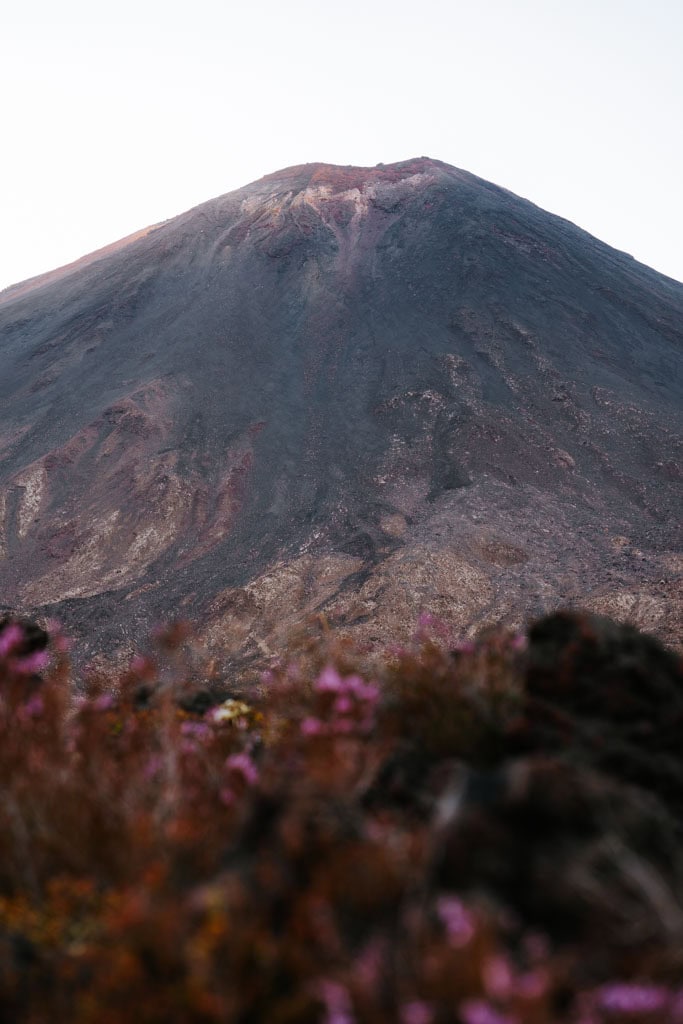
[{"x": 356, "y": 392}]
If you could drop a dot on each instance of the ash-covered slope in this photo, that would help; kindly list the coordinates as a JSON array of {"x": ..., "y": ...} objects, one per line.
[{"x": 362, "y": 392}]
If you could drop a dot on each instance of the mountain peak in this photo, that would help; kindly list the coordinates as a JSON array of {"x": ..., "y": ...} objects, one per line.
[
  {"x": 339, "y": 177},
  {"x": 356, "y": 392}
]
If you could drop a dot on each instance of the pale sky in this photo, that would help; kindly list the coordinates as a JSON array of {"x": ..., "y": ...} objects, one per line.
[{"x": 116, "y": 116}]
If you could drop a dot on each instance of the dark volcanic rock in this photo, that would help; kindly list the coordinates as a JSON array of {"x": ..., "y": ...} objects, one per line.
[{"x": 357, "y": 392}]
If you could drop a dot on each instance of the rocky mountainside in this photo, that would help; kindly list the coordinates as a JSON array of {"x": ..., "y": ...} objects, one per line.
[{"x": 346, "y": 395}]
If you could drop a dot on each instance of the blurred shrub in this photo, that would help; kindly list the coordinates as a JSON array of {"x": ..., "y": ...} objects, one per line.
[{"x": 483, "y": 835}]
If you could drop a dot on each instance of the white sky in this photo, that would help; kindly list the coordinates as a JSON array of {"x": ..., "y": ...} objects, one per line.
[{"x": 117, "y": 115}]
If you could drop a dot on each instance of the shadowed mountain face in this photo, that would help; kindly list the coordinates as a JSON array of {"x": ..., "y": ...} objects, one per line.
[{"x": 359, "y": 392}]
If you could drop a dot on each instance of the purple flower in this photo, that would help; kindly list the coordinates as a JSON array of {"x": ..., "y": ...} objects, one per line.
[
  {"x": 311, "y": 727},
  {"x": 329, "y": 681},
  {"x": 478, "y": 1011},
  {"x": 497, "y": 976},
  {"x": 60, "y": 642},
  {"x": 362, "y": 690},
  {"x": 10, "y": 638},
  {"x": 456, "y": 919},
  {"x": 337, "y": 1003},
  {"x": 368, "y": 964},
  {"x": 105, "y": 702},
  {"x": 343, "y": 726},
  {"x": 197, "y": 730},
  {"x": 153, "y": 766},
  {"x": 416, "y": 1012},
  {"x": 244, "y": 765},
  {"x": 36, "y": 662},
  {"x": 354, "y": 699},
  {"x": 532, "y": 984},
  {"x": 628, "y": 997},
  {"x": 33, "y": 708},
  {"x": 676, "y": 1008}
]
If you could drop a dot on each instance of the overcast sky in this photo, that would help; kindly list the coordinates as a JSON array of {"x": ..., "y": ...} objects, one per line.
[{"x": 117, "y": 116}]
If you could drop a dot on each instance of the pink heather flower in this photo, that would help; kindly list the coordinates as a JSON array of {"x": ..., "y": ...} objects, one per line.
[
  {"x": 105, "y": 702},
  {"x": 354, "y": 684},
  {"x": 33, "y": 708},
  {"x": 368, "y": 963},
  {"x": 329, "y": 681},
  {"x": 676, "y": 1008},
  {"x": 153, "y": 766},
  {"x": 339, "y": 1017},
  {"x": 188, "y": 747},
  {"x": 311, "y": 727},
  {"x": 417, "y": 1012},
  {"x": 198, "y": 730},
  {"x": 142, "y": 666},
  {"x": 343, "y": 726},
  {"x": 368, "y": 692},
  {"x": 532, "y": 984},
  {"x": 243, "y": 764},
  {"x": 497, "y": 976},
  {"x": 518, "y": 642},
  {"x": 456, "y": 919},
  {"x": 465, "y": 647},
  {"x": 226, "y": 797},
  {"x": 478, "y": 1011},
  {"x": 10, "y": 638},
  {"x": 36, "y": 662},
  {"x": 337, "y": 1003},
  {"x": 343, "y": 705},
  {"x": 61, "y": 643},
  {"x": 626, "y": 997}
]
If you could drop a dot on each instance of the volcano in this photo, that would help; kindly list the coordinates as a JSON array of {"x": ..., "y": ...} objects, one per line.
[{"x": 342, "y": 395}]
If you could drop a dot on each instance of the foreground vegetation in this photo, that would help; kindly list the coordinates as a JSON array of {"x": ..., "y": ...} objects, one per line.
[{"x": 485, "y": 834}]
